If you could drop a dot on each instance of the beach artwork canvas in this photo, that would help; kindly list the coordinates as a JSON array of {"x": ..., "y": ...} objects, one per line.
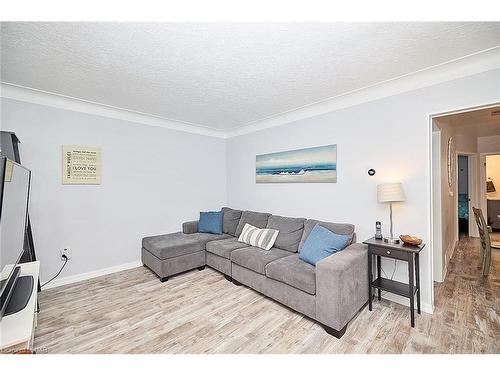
[{"x": 315, "y": 164}]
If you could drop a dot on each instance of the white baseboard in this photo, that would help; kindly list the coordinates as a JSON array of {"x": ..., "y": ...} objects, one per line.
[
  {"x": 425, "y": 307},
  {"x": 90, "y": 275}
]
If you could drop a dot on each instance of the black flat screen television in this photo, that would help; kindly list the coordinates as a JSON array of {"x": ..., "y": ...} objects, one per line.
[{"x": 14, "y": 197}]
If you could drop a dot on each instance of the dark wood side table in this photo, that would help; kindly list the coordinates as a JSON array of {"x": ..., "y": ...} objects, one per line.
[{"x": 402, "y": 252}]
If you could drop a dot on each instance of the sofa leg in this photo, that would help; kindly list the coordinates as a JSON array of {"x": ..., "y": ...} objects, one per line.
[
  {"x": 201, "y": 268},
  {"x": 163, "y": 279},
  {"x": 228, "y": 278},
  {"x": 334, "y": 332},
  {"x": 236, "y": 282}
]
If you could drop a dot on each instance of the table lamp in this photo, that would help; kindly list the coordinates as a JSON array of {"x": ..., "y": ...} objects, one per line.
[
  {"x": 392, "y": 192},
  {"x": 490, "y": 186}
]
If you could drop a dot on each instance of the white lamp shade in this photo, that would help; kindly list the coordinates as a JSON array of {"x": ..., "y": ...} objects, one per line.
[{"x": 392, "y": 192}]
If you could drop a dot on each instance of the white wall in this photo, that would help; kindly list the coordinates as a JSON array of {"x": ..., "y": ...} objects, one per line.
[
  {"x": 153, "y": 179},
  {"x": 390, "y": 135}
]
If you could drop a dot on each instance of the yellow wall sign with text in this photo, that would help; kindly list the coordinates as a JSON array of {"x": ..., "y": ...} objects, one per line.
[
  {"x": 9, "y": 169},
  {"x": 81, "y": 165}
]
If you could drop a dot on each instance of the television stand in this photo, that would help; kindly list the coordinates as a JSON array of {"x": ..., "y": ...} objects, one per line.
[
  {"x": 20, "y": 295},
  {"x": 18, "y": 328}
]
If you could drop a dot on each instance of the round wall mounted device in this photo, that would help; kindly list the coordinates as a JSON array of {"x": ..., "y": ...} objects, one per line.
[{"x": 371, "y": 172}]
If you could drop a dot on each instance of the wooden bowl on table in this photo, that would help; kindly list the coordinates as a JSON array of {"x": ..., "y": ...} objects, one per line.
[{"x": 410, "y": 240}]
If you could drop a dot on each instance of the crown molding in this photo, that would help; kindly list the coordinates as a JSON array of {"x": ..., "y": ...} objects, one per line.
[
  {"x": 30, "y": 95},
  {"x": 462, "y": 67}
]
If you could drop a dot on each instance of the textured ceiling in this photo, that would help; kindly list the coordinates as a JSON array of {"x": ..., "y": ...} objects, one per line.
[
  {"x": 225, "y": 75},
  {"x": 480, "y": 123}
]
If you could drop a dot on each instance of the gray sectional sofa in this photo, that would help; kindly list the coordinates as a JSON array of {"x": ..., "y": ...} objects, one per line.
[{"x": 330, "y": 293}]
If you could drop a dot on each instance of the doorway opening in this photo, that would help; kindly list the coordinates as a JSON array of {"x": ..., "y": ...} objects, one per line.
[
  {"x": 463, "y": 211},
  {"x": 461, "y": 141}
]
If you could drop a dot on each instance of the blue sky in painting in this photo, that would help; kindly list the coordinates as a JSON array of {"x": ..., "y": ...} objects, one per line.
[{"x": 323, "y": 155}]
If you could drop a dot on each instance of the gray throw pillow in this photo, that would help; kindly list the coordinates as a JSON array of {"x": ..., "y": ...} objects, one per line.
[
  {"x": 257, "y": 219},
  {"x": 290, "y": 231},
  {"x": 230, "y": 221}
]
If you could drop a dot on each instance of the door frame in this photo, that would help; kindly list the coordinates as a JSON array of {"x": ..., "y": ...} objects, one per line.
[
  {"x": 436, "y": 210},
  {"x": 434, "y": 214}
]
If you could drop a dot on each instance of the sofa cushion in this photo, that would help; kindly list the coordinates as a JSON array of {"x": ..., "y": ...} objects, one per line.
[
  {"x": 322, "y": 243},
  {"x": 255, "y": 258},
  {"x": 224, "y": 247},
  {"x": 257, "y": 219},
  {"x": 176, "y": 244},
  {"x": 210, "y": 222},
  {"x": 294, "y": 272},
  {"x": 338, "y": 228},
  {"x": 230, "y": 220},
  {"x": 290, "y": 231}
]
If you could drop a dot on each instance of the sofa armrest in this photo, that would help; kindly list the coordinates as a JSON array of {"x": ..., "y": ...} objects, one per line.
[
  {"x": 341, "y": 285},
  {"x": 190, "y": 227}
]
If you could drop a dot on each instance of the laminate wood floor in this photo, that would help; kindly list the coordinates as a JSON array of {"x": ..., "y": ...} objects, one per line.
[{"x": 201, "y": 312}]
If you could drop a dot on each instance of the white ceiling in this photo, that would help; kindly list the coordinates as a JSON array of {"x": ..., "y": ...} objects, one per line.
[
  {"x": 225, "y": 75},
  {"x": 479, "y": 123}
]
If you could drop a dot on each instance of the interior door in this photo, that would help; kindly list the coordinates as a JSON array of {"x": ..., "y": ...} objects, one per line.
[{"x": 463, "y": 195}]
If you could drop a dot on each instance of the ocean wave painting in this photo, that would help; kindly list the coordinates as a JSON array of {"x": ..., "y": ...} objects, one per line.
[{"x": 315, "y": 164}]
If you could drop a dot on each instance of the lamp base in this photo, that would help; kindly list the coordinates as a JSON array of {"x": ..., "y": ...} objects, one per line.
[{"x": 391, "y": 240}]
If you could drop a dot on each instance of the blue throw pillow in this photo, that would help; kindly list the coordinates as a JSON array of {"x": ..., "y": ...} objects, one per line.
[
  {"x": 321, "y": 243},
  {"x": 211, "y": 222}
]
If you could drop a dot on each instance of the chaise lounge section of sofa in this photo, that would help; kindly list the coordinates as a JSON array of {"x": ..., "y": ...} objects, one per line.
[{"x": 332, "y": 292}]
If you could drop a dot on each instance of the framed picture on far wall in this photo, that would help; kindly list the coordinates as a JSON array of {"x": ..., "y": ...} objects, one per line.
[{"x": 314, "y": 164}]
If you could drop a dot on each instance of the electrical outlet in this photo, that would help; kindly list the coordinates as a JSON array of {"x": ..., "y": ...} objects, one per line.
[{"x": 66, "y": 252}]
